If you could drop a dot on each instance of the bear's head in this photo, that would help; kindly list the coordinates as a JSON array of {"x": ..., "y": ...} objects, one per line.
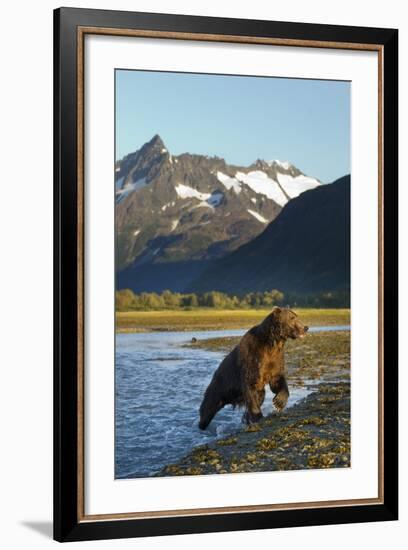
[{"x": 284, "y": 323}]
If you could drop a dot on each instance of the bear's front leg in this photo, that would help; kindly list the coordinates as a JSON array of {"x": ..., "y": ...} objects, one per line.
[{"x": 279, "y": 386}]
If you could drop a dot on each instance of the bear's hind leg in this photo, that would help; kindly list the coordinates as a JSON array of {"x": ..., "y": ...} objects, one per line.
[
  {"x": 211, "y": 404},
  {"x": 253, "y": 401}
]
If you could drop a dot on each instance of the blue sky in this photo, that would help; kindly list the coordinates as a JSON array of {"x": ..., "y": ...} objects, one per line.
[{"x": 239, "y": 118}]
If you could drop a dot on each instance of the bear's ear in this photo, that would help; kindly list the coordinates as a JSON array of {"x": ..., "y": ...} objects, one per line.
[{"x": 276, "y": 313}]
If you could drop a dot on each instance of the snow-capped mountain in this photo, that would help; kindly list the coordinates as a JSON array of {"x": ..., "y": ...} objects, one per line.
[{"x": 177, "y": 214}]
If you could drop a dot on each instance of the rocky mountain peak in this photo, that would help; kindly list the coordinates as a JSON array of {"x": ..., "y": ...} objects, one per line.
[
  {"x": 139, "y": 168},
  {"x": 155, "y": 143},
  {"x": 260, "y": 164},
  {"x": 153, "y": 149}
]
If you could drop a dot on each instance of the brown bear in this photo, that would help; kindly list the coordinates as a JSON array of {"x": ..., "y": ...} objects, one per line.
[{"x": 257, "y": 360}]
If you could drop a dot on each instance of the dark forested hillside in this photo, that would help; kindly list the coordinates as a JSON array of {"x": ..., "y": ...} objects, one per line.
[{"x": 306, "y": 249}]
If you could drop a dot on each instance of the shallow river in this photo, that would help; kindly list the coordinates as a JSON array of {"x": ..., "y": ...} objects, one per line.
[{"x": 159, "y": 385}]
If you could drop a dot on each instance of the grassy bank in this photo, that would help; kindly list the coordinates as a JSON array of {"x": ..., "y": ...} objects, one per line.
[
  {"x": 214, "y": 319},
  {"x": 313, "y": 434}
]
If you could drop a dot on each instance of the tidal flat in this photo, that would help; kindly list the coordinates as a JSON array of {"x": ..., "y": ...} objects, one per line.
[{"x": 312, "y": 434}]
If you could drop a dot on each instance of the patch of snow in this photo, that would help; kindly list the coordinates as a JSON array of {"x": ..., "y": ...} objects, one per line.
[
  {"x": 133, "y": 186},
  {"x": 118, "y": 183},
  {"x": 176, "y": 160},
  {"x": 117, "y": 169},
  {"x": 259, "y": 182},
  {"x": 174, "y": 224},
  {"x": 210, "y": 200},
  {"x": 253, "y": 200},
  {"x": 164, "y": 150},
  {"x": 171, "y": 159},
  {"x": 186, "y": 192},
  {"x": 229, "y": 183},
  {"x": 128, "y": 188},
  {"x": 215, "y": 199},
  {"x": 258, "y": 216},
  {"x": 136, "y": 233},
  {"x": 294, "y": 186},
  {"x": 139, "y": 184}
]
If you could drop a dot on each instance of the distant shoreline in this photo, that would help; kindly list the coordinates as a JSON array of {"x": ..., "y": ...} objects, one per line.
[{"x": 202, "y": 319}]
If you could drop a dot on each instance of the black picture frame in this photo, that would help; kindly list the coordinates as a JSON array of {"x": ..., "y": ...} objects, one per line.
[{"x": 67, "y": 523}]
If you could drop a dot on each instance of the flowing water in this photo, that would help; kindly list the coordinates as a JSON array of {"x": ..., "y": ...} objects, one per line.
[{"x": 159, "y": 385}]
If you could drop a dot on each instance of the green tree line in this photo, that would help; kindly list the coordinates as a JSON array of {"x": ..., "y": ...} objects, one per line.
[{"x": 127, "y": 300}]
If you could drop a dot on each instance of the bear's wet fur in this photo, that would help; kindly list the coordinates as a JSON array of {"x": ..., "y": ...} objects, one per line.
[{"x": 257, "y": 360}]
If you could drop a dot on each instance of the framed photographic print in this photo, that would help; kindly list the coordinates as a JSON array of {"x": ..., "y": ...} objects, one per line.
[{"x": 225, "y": 274}]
